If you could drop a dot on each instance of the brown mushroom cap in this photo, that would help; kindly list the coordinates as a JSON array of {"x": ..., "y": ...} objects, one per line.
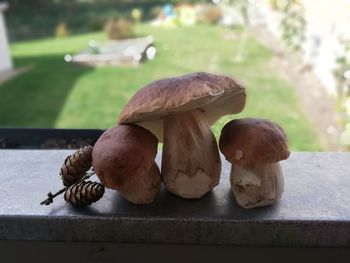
[
  {"x": 215, "y": 95},
  {"x": 122, "y": 153},
  {"x": 251, "y": 142}
]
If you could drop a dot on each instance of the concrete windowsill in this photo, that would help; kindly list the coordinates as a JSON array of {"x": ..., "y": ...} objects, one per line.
[{"x": 314, "y": 210}]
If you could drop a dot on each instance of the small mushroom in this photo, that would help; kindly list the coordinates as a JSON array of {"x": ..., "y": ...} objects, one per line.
[
  {"x": 180, "y": 110},
  {"x": 123, "y": 159},
  {"x": 255, "y": 147}
]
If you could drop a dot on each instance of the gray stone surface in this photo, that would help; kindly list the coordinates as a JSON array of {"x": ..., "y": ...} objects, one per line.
[{"x": 314, "y": 210}]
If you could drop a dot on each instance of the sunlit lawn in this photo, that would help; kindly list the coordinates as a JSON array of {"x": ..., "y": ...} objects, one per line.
[{"x": 57, "y": 94}]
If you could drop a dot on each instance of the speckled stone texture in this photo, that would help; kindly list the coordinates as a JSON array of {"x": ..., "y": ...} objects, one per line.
[{"x": 314, "y": 210}]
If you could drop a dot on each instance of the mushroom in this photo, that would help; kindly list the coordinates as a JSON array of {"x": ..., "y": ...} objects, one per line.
[
  {"x": 123, "y": 159},
  {"x": 179, "y": 111},
  {"x": 255, "y": 147}
]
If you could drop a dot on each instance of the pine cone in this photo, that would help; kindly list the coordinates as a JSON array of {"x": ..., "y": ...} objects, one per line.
[
  {"x": 76, "y": 165},
  {"x": 84, "y": 193}
]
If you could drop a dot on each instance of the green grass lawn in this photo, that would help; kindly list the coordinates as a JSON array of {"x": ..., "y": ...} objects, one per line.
[{"x": 61, "y": 95}]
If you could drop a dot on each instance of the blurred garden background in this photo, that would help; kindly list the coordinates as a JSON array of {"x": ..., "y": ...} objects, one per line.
[{"x": 76, "y": 63}]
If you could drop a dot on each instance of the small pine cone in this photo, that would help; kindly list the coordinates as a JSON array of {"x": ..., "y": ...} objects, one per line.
[
  {"x": 76, "y": 165},
  {"x": 84, "y": 193}
]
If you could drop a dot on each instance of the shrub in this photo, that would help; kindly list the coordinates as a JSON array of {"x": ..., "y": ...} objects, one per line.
[
  {"x": 136, "y": 15},
  {"x": 209, "y": 14},
  {"x": 156, "y": 11},
  {"x": 118, "y": 29},
  {"x": 293, "y": 25},
  {"x": 61, "y": 30},
  {"x": 95, "y": 23}
]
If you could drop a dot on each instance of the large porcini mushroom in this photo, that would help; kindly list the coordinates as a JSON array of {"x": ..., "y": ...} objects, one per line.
[
  {"x": 179, "y": 111},
  {"x": 123, "y": 159},
  {"x": 255, "y": 147}
]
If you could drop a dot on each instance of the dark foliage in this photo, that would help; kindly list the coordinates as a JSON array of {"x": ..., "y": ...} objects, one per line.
[{"x": 38, "y": 18}]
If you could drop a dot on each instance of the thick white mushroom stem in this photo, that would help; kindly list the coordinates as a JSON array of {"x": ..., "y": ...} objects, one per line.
[
  {"x": 144, "y": 189},
  {"x": 191, "y": 163},
  {"x": 258, "y": 186}
]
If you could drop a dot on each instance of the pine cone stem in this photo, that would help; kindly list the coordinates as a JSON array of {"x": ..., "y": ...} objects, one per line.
[{"x": 51, "y": 196}]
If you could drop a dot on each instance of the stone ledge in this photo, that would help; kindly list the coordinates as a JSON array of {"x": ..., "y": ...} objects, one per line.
[{"x": 314, "y": 211}]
